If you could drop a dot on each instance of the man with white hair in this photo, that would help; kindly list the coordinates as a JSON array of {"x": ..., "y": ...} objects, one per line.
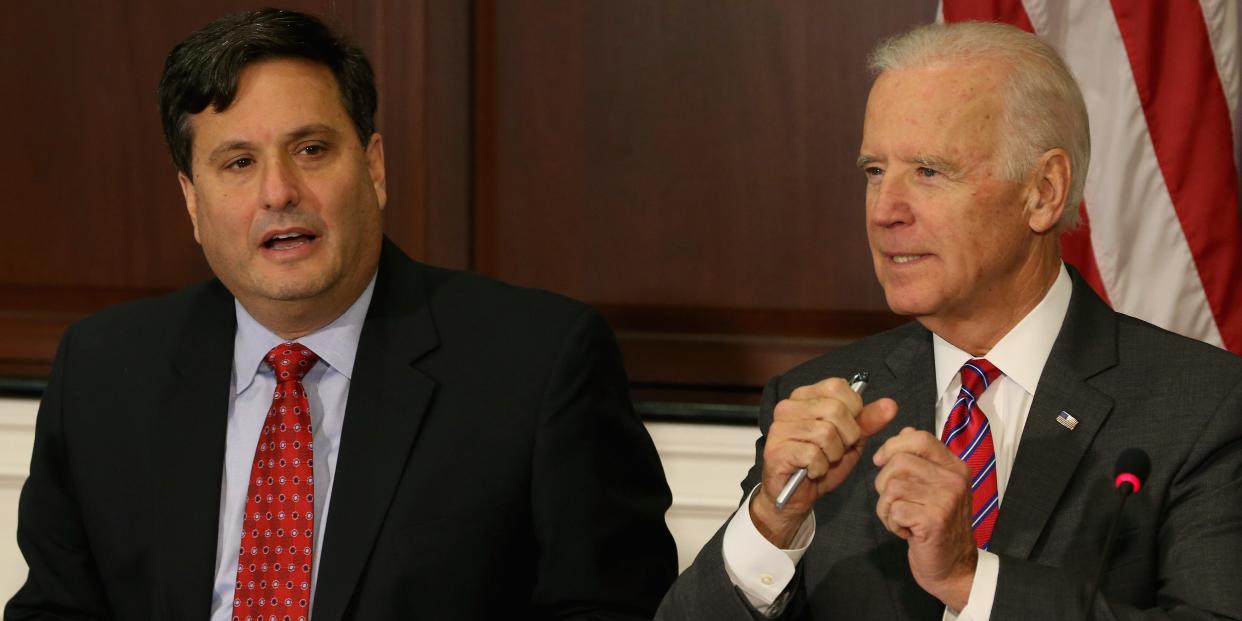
[{"x": 975, "y": 481}]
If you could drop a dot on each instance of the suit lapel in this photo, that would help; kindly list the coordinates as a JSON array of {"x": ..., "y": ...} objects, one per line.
[
  {"x": 913, "y": 386},
  {"x": 1049, "y": 453},
  {"x": 188, "y": 436},
  {"x": 387, "y": 401}
]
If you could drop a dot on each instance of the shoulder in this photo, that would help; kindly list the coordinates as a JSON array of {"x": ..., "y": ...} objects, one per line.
[
  {"x": 474, "y": 313},
  {"x": 1157, "y": 360},
  {"x": 471, "y": 295},
  {"x": 150, "y": 324},
  {"x": 1140, "y": 339},
  {"x": 866, "y": 354}
]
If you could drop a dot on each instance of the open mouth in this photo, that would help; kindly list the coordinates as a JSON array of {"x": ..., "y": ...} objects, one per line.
[
  {"x": 288, "y": 241},
  {"x": 905, "y": 258}
]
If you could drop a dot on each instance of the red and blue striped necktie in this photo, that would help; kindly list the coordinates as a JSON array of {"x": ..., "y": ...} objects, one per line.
[{"x": 969, "y": 435}]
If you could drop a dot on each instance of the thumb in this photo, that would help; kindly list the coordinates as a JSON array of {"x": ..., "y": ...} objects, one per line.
[{"x": 876, "y": 415}]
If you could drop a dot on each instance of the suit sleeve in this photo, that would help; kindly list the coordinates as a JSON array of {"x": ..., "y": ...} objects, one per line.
[
  {"x": 1198, "y": 546},
  {"x": 598, "y": 489},
  {"x": 704, "y": 590},
  {"x": 62, "y": 582}
]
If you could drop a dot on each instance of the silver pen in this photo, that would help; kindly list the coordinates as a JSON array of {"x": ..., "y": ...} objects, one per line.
[{"x": 858, "y": 383}]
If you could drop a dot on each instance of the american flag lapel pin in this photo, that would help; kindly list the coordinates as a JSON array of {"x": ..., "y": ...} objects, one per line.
[{"x": 1066, "y": 420}]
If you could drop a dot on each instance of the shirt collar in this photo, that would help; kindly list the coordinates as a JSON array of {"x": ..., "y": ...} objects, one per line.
[
  {"x": 1022, "y": 352},
  {"x": 336, "y": 344}
]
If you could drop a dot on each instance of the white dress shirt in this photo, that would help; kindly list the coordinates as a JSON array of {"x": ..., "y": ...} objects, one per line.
[
  {"x": 762, "y": 571},
  {"x": 327, "y": 388}
]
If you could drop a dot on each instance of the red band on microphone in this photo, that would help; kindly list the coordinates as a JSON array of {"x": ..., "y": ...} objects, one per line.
[{"x": 1126, "y": 477}]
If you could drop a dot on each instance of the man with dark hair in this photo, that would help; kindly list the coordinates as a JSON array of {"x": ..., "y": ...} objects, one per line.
[
  {"x": 329, "y": 426},
  {"x": 972, "y": 479}
]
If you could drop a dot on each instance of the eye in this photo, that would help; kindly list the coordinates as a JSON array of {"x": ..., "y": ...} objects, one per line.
[
  {"x": 873, "y": 171},
  {"x": 926, "y": 172},
  {"x": 312, "y": 149},
  {"x": 241, "y": 162}
]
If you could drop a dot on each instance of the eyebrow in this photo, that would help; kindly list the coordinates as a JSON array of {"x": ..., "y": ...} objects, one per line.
[
  {"x": 310, "y": 130},
  {"x": 293, "y": 136},
  {"x": 927, "y": 161},
  {"x": 936, "y": 163}
]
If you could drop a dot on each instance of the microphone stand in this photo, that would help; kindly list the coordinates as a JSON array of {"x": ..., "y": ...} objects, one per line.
[{"x": 1126, "y": 491}]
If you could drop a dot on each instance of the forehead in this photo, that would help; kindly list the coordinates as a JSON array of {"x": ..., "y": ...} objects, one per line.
[
  {"x": 274, "y": 96},
  {"x": 947, "y": 108}
]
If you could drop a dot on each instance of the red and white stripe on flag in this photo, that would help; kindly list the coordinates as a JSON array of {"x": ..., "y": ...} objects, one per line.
[{"x": 1162, "y": 234}]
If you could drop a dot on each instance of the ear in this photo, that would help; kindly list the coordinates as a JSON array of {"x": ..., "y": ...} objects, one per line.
[
  {"x": 191, "y": 204},
  {"x": 1047, "y": 195},
  {"x": 375, "y": 166}
]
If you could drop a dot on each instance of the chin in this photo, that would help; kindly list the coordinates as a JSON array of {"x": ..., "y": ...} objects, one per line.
[
  {"x": 292, "y": 289},
  {"x": 908, "y": 303}
]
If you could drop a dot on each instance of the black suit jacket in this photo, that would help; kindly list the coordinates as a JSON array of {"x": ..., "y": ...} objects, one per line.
[
  {"x": 490, "y": 464},
  {"x": 1129, "y": 384}
]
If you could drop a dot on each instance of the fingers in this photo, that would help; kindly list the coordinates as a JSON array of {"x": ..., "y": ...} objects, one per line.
[
  {"x": 916, "y": 479},
  {"x": 831, "y": 388},
  {"x": 809, "y": 456},
  {"x": 809, "y": 415},
  {"x": 817, "y": 429},
  {"x": 928, "y": 504},
  {"x": 875, "y": 416},
  {"x": 922, "y": 444},
  {"x": 810, "y": 444},
  {"x": 919, "y": 496},
  {"x": 925, "y": 498},
  {"x": 827, "y": 436}
]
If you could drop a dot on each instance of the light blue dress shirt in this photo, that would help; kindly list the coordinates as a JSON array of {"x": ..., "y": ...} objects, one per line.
[{"x": 327, "y": 388}]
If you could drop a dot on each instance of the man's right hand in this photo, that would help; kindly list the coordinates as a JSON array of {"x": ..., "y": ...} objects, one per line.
[{"x": 822, "y": 427}]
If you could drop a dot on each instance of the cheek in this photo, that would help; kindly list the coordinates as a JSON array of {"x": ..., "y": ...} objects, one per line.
[
  {"x": 222, "y": 226},
  {"x": 996, "y": 234}
]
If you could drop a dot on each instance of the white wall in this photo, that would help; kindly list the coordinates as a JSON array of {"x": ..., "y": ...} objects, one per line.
[
  {"x": 17, "y": 418},
  {"x": 703, "y": 463}
]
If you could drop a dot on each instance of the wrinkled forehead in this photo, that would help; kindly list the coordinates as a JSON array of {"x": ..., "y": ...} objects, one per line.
[
  {"x": 942, "y": 92},
  {"x": 937, "y": 107}
]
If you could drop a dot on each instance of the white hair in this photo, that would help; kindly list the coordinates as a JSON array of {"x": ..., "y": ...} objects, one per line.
[{"x": 1043, "y": 108}]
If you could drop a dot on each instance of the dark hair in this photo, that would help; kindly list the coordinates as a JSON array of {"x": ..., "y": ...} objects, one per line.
[{"x": 203, "y": 70}]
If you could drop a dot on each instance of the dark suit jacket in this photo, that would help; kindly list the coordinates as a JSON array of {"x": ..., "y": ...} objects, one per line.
[
  {"x": 1128, "y": 383},
  {"x": 490, "y": 467}
]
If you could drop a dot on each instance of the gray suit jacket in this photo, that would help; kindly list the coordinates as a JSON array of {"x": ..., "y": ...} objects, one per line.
[{"x": 1129, "y": 384}]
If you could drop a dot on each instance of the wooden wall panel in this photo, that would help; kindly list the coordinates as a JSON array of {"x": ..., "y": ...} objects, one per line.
[
  {"x": 681, "y": 155},
  {"x": 685, "y": 165}
]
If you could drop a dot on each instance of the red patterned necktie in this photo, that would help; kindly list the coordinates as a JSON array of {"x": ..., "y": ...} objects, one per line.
[
  {"x": 274, "y": 566},
  {"x": 969, "y": 435}
]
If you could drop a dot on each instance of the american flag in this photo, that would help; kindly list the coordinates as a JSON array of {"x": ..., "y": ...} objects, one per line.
[{"x": 1162, "y": 234}]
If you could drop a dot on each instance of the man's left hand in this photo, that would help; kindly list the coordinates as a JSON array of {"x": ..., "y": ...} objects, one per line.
[{"x": 925, "y": 499}]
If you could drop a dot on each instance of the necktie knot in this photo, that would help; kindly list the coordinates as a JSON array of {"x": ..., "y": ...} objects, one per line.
[
  {"x": 291, "y": 361},
  {"x": 977, "y": 375}
]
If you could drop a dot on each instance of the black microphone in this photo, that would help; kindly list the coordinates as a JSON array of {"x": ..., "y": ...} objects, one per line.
[{"x": 1133, "y": 466}]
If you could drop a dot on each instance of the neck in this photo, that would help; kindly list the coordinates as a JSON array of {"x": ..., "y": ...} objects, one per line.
[
  {"x": 291, "y": 320},
  {"x": 989, "y": 320}
]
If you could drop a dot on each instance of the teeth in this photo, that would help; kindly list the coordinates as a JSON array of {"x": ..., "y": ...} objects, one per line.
[
  {"x": 905, "y": 258},
  {"x": 286, "y": 236}
]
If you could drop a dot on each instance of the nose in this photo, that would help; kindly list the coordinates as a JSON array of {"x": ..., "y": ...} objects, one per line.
[
  {"x": 888, "y": 202},
  {"x": 280, "y": 185}
]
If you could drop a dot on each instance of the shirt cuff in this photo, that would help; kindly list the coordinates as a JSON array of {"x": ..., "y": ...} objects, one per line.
[
  {"x": 982, "y": 590},
  {"x": 760, "y": 570}
]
